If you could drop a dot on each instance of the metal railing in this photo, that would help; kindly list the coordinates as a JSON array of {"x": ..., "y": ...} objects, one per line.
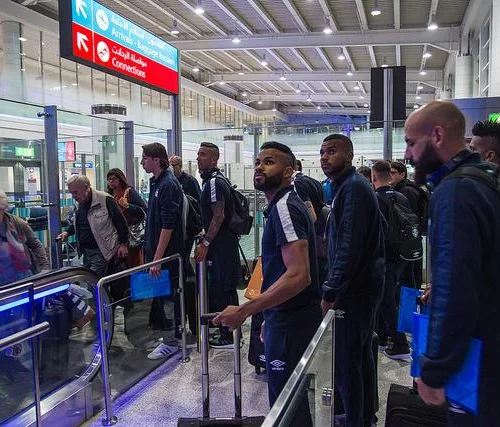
[{"x": 110, "y": 419}]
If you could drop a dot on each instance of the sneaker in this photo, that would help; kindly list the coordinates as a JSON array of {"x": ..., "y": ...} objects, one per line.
[
  {"x": 221, "y": 342},
  {"x": 398, "y": 352},
  {"x": 382, "y": 345},
  {"x": 163, "y": 351},
  {"x": 85, "y": 320}
]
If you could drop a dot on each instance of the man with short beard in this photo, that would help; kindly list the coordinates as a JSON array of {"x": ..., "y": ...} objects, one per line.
[
  {"x": 290, "y": 295},
  {"x": 465, "y": 248}
]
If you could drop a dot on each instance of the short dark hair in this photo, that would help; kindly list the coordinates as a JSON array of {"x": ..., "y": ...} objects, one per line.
[
  {"x": 366, "y": 172},
  {"x": 488, "y": 128},
  {"x": 400, "y": 167},
  {"x": 299, "y": 164},
  {"x": 382, "y": 168},
  {"x": 342, "y": 138},
  {"x": 212, "y": 147},
  {"x": 285, "y": 149},
  {"x": 157, "y": 150},
  {"x": 119, "y": 175}
]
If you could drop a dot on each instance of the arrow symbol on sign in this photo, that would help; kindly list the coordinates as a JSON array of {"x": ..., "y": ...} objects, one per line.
[
  {"x": 80, "y": 8},
  {"x": 81, "y": 40}
]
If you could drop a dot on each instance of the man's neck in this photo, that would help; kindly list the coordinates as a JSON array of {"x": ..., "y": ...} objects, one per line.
[
  {"x": 270, "y": 194},
  {"x": 378, "y": 185},
  {"x": 339, "y": 174},
  {"x": 158, "y": 172}
]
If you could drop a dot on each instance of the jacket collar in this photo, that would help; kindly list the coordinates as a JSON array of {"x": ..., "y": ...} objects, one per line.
[
  {"x": 337, "y": 182},
  {"x": 276, "y": 198},
  {"x": 210, "y": 174},
  {"x": 464, "y": 156}
]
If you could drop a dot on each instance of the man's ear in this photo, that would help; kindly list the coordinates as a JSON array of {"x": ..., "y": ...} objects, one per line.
[
  {"x": 350, "y": 156},
  {"x": 437, "y": 135},
  {"x": 288, "y": 172},
  {"x": 491, "y": 156}
]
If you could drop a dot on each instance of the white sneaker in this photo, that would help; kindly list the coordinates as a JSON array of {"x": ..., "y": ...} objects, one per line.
[{"x": 163, "y": 351}]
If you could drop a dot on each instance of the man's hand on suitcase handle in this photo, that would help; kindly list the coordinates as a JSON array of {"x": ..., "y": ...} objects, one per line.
[
  {"x": 232, "y": 317},
  {"x": 431, "y": 396}
]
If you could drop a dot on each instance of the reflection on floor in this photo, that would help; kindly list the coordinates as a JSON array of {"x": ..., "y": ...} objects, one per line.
[{"x": 174, "y": 390}]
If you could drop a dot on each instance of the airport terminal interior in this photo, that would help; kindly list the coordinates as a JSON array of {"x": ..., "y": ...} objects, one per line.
[{"x": 85, "y": 84}]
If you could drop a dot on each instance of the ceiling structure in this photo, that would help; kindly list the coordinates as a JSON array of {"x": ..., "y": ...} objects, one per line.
[{"x": 277, "y": 53}]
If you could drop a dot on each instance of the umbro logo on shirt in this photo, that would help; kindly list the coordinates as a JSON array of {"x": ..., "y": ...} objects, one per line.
[
  {"x": 277, "y": 365},
  {"x": 262, "y": 357}
]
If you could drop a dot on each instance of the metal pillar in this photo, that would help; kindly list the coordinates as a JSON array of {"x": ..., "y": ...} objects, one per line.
[
  {"x": 256, "y": 230},
  {"x": 128, "y": 128},
  {"x": 388, "y": 110},
  {"x": 175, "y": 146},
  {"x": 51, "y": 189}
]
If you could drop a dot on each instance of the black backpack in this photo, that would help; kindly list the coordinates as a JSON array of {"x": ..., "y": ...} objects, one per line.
[
  {"x": 422, "y": 207},
  {"x": 403, "y": 231},
  {"x": 193, "y": 224},
  {"x": 241, "y": 222},
  {"x": 489, "y": 178}
]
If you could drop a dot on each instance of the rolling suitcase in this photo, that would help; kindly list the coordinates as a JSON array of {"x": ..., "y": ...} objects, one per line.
[
  {"x": 205, "y": 420},
  {"x": 256, "y": 355},
  {"x": 406, "y": 409}
]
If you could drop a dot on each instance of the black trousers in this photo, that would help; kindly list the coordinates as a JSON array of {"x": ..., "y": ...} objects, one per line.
[
  {"x": 354, "y": 364},
  {"x": 387, "y": 319}
]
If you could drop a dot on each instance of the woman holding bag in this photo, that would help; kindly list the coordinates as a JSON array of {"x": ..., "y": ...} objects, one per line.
[{"x": 134, "y": 209}]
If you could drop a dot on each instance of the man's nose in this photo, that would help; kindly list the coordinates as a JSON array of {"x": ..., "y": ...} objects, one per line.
[{"x": 408, "y": 155}]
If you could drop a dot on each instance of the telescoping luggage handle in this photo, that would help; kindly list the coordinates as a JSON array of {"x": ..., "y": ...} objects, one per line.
[{"x": 205, "y": 381}]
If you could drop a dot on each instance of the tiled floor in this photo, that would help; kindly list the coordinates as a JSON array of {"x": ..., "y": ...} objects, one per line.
[{"x": 174, "y": 390}]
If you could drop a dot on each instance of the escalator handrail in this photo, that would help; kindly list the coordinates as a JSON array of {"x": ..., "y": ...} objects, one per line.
[
  {"x": 47, "y": 281},
  {"x": 24, "y": 335}
]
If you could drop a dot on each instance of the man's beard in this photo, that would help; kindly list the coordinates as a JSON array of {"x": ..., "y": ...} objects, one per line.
[
  {"x": 269, "y": 183},
  {"x": 428, "y": 163}
]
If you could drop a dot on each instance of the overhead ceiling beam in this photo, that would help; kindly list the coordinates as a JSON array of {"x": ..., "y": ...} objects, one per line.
[
  {"x": 328, "y": 12},
  {"x": 373, "y": 59},
  {"x": 238, "y": 20},
  {"x": 348, "y": 59},
  {"x": 204, "y": 16},
  {"x": 327, "y": 97},
  {"x": 235, "y": 59},
  {"x": 344, "y": 88},
  {"x": 257, "y": 59},
  {"x": 331, "y": 76},
  {"x": 445, "y": 38},
  {"x": 296, "y": 16},
  {"x": 398, "y": 55},
  {"x": 325, "y": 59},
  {"x": 397, "y": 14},
  {"x": 309, "y": 87},
  {"x": 329, "y": 110},
  {"x": 302, "y": 59},
  {"x": 278, "y": 58},
  {"x": 362, "y": 15},
  {"x": 219, "y": 63},
  {"x": 204, "y": 65},
  {"x": 432, "y": 10},
  {"x": 326, "y": 87},
  {"x": 263, "y": 14}
]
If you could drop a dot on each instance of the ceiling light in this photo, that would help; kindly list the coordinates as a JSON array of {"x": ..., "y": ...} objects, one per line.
[
  {"x": 432, "y": 25},
  {"x": 423, "y": 73},
  {"x": 420, "y": 87},
  {"x": 418, "y": 97},
  {"x": 309, "y": 99},
  {"x": 244, "y": 94},
  {"x": 349, "y": 73},
  {"x": 318, "y": 107},
  {"x": 259, "y": 102},
  {"x": 23, "y": 69},
  {"x": 222, "y": 82},
  {"x": 301, "y": 110},
  {"x": 274, "y": 109},
  {"x": 144, "y": 103},
  {"x": 175, "y": 29},
  {"x": 297, "y": 90},
  {"x": 263, "y": 62},
  {"x": 415, "y": 106},
  {"x": 361, "y": 97},
  {"x": 375, "y": 9},
  {"x": 356, "y": 87},
  {"x": 283, "y": 77},
  {"x": 328, "y": 28},
  {"x": 365, "y": 105},
  {"x": 196, "y": 68},
  {"x": 341, "y": 57},
  {"x": 199, "y": 8},
  {"x": 236, "y": 40},
  {"x": 427, "y": 54},
  {"x": 21, "y": 39},
  {"x": 357, "y": 128},
  {"x": 241, "y": 73},
  {"x": 368, "y": 111}
]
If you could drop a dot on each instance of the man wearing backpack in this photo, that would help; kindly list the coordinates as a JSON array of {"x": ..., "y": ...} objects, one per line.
[
  {"x": 465, "y": 248},
  {"x": 388, "y": 315},
  {"x": 219, "y": 246},
  {"x": 419, "y": 203}
]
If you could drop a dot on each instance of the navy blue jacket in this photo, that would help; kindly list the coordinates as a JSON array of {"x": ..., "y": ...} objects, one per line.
[
  {"x": 356, "y": 255},
  {"x": 465, "y": 302}
]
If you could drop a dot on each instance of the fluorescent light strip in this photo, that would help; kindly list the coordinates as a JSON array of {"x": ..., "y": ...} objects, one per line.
[{"x": 39, "y": 295}]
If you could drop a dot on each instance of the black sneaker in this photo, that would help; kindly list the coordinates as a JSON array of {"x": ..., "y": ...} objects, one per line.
[
  {"x": 398, "y": 352},
  {"x": 221, "y": 342}
]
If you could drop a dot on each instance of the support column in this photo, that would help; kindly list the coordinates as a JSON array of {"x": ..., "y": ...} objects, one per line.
[
  {"x": 12, "y": 79},
  {"x": 388, "y": 110},
  {"x": 463, "y": 76},
  {"x": 494, "y": 49}
]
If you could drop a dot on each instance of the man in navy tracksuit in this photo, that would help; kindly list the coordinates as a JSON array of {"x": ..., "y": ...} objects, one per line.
[
  {"x": 290, "y": 295},
  {"x": 356, "y": 278},
  {"x": 465, "y": 240}
]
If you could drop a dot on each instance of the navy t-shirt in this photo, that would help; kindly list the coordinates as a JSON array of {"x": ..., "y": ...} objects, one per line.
[
  {"x": 288, "y": 220},
  {"x": 309, "y": 190},
  {"x": 164, "y": 212}
]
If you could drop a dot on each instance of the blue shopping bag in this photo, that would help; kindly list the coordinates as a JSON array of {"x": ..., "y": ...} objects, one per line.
[
  {"x": 144, "y": 286},
  {"x": 463, "y": 387},
  {"x": 407, "y": 306}
]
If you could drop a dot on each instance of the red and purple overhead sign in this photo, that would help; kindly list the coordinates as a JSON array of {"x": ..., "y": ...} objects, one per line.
[{"x": 100, "y": 38}]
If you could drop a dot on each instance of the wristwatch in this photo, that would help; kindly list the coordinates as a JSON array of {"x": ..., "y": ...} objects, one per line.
[{"x": 205, "y": 242}]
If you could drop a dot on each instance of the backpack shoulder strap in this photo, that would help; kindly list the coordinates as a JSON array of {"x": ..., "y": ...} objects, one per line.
[{"x": 476, "y": 174}]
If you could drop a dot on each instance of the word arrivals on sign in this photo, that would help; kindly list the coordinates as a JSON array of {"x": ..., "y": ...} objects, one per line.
[{"x": 96, "y": 36}]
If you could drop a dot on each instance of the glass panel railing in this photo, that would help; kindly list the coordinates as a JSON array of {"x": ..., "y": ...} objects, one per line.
[{"x": 311, "y": 383}]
